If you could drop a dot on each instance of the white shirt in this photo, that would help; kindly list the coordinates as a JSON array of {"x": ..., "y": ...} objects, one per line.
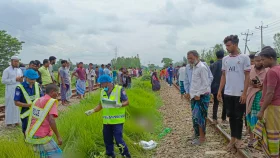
[
  {"x": 51, "y": 71},
  {"x": 182, "y": 72},
  {"x": 234, "y": 67},
  {"x": 200, "y": 80},
  {"x": 90, "y": 73},
  {"x": 9, "y": 79}
]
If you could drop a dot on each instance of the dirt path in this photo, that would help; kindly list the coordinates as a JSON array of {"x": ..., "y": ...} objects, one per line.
[{"x": 177, "y": 116}]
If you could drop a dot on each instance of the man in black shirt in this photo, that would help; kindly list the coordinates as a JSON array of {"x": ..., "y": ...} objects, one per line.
[{"x": 216, "y": 69}]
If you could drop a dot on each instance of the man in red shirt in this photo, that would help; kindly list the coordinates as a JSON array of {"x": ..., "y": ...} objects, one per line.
[{"x": 270, "y": 103}]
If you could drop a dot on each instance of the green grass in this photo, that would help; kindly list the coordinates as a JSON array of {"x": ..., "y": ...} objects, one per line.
[{"x": 82, "y": 135}]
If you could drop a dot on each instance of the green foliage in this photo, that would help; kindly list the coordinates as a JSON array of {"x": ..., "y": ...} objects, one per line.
[
  {"x": 120, "y": 62},
  {"x": 276, "y": 43},
  {"x": 146, "y": 77},
  {"x": 9, "y": 46},
  {"x": 13, "y": 145},
  {"x": 166, "y": 62},
  {"x": 82, "y": 135},
  {"x": 208, "y": 55}
]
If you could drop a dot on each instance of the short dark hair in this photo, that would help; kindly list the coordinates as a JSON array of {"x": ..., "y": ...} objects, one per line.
[
  {"x": 63, "y": 61},
  {"x": 51, "y": 58},
  {"x": 211, "y": 61},
  {"x": 96, "y": 67},
  {"x": 220, "y": 54},
  {"x": 32, "y": 62},
  {"x": 37, "y": 62},
  {"x": 50, "y": 88},
  {"x": 268, "y": 52},
  {"x": 102, "y": 65},
  {"x": 45, "y": 61},
  {"x": 184, "y": 64},
  {"x": 81, "y": 63},
  {"x": 233, "y": 38},
  {"x": 252, "y": 56},
  {"x": 90, "y": 64},
  {"x": 193, "y": 52}
]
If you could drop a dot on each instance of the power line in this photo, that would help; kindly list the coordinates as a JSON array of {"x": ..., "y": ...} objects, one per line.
[
  {"x": 261, "y": 29},
  {"x": 246, "y": 40}
]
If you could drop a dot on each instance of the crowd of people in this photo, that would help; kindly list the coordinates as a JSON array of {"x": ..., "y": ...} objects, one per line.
[{"x": 247, "y": 87}]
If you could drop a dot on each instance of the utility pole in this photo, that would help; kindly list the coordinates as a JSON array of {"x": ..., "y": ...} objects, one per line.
[
  {"x": 246, "y": 40},
  {"x": 261, "y": 28}
]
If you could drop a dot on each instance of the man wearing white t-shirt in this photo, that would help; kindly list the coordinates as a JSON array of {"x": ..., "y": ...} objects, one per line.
[
  {"x": 235, "y": 77},
  {"x": 182, "y": 72}
]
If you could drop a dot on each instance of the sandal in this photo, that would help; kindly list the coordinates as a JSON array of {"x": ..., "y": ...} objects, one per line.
[
  {"x": 197, "y": 142},
  {"x": 240, "y": 145}
]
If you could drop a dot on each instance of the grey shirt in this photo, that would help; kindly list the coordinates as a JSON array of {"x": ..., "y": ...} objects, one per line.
[{"x": 64, "y": 74}]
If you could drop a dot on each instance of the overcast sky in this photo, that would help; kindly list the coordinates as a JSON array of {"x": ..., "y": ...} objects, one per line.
[{"x": 89, "y": 30}]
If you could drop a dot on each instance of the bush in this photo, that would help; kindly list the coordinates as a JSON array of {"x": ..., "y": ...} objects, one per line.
[{"x": 146, "y": 77}]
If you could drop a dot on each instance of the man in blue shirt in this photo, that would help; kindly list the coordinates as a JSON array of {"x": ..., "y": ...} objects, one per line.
[
  {"x": 21, "y": 100},
  {"x": 170, "y": 75},
  {"x": 101, "y": 70}
]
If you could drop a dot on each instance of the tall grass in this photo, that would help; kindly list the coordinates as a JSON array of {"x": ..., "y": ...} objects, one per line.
[{"x": 82, "y": 135}]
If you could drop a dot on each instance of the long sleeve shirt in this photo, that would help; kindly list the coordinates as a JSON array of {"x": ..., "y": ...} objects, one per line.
[
  {"x": 200, "y": 80},
  {"x": 188, "y": 78}
]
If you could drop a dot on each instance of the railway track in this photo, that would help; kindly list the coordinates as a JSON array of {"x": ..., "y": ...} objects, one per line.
[
  {"x": 224, "y": 130},
  {"x": 2, "y": 107}
]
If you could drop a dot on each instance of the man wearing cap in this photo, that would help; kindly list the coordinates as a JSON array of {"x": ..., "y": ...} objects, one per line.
[
  {"x": 12, "y": 76},
  {"x": 25, "y": 94},
  {"x": 113, "y": 102}
]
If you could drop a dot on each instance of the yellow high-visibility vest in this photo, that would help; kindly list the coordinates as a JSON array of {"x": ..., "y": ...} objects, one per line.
[
  {"x": 29, "y": 98},
  {"x": 39, "y": 115},
  {"x": 112, "y": 114}
]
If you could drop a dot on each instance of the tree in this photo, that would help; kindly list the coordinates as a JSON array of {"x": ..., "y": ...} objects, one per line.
[
  {"x": 276, "y": 43},
  {"x": 9, "y": 46},
  {"x": 166, "y": 62},
  {"x": 126, "y": 62}
]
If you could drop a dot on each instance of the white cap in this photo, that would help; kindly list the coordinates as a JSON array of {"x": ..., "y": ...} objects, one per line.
[{"x": 14, "y": 58}]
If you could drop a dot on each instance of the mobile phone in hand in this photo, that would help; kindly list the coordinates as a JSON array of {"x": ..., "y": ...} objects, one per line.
[{"x": 258, "y": 80}]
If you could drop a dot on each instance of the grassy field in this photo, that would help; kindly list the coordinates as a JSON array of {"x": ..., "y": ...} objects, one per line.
[{"x": 82, "y": 135}]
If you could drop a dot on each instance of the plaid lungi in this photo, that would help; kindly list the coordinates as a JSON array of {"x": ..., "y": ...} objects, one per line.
[{"x": 50, "y": 149}]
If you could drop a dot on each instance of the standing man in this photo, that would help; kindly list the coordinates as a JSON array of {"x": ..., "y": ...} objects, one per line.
[
  {"x": 182, "y": 72},
  {"x": 115, "y": 75},
  {"x": 65, "y": 82},
  {"x": 97, "y": 74},
  {"x": 45, "y": 74},
  {"x": 217, "y": 73},
  {"x": 270, "y": 103},
  {"x": 37, "y": 65},
  {"x": 12, "y": 77},
  {"x": 101, "y": 70},
  {"x": 113, "y": 102},
  {"x": 200, "y": 96},
  {"x": 235, "y": 77},
  {"x": 90, "y": 76},
  {"x": 106, "y": 71},
  {"x": 188, "y": 80},
  {"x": 254, "y": 94},
  {"x": 170, "y": 72},
  {"x": 81, "y": 82},
  {"x": 52, "y": 60},
  {"x": 25, "y": 94}
]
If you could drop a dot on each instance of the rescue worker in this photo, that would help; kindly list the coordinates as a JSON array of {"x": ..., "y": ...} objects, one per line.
[
  {"x": 42, "y": 125},
  {"x": 113, "y": 102},
  {"x": 25, "y": 94}
]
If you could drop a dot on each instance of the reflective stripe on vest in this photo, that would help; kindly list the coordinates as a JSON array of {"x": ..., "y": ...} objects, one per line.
[
  {"x": 111, "y": 113},
  {"x": 29, "y": 98},
  {"x": 39, "y": 114}
]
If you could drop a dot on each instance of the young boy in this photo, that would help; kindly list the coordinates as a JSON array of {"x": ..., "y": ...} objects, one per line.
[{"x": 41, "y": 124}]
